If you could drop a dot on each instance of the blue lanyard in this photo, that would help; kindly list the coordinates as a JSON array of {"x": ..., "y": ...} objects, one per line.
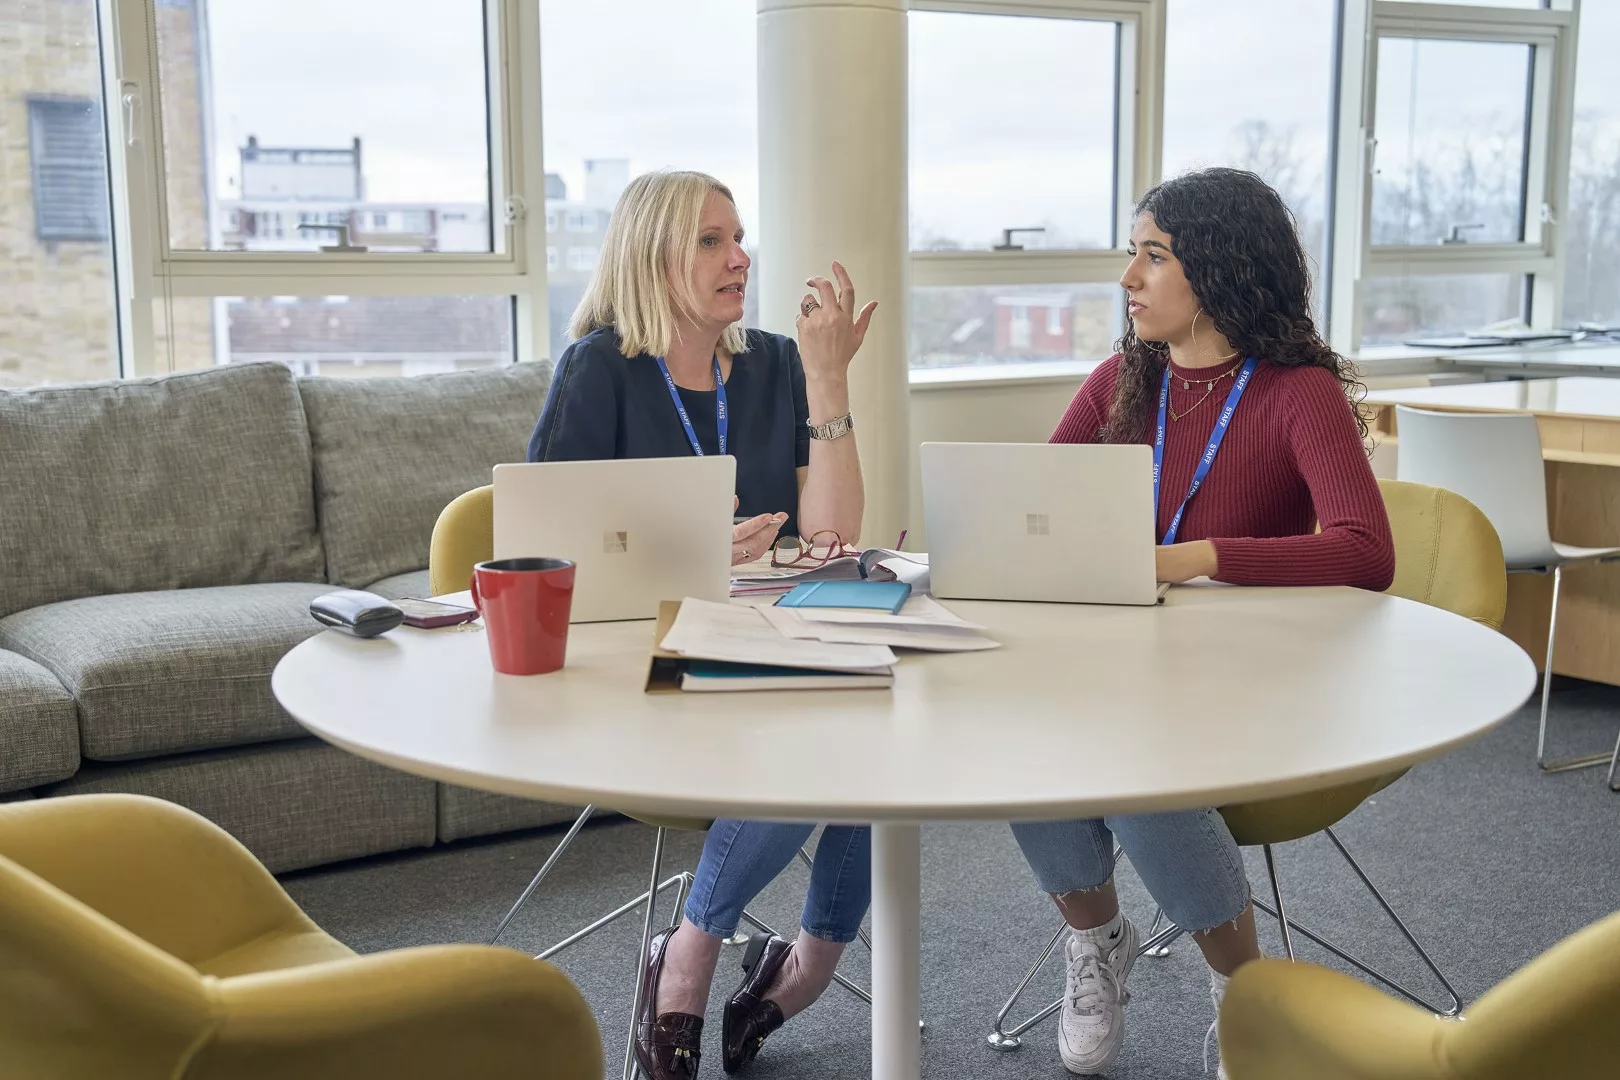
[
  {"x": 1215, "y": 438},
  {"x": 721, "y": 421}
]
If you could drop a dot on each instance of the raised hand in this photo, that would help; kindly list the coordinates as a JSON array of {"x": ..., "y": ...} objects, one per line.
[{"x": 830, "y": 332}]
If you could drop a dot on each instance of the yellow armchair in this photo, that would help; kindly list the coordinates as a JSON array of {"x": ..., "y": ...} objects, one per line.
[
  {"x": 139, "y": 940},
  {"x": 1553, "y": 1020},
  {"x": 463, "y": 537}
]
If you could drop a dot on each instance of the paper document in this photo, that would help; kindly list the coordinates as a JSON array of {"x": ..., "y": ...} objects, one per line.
[
  {"x": 876, "y": 564},
  {"x": 922, "y": 624},
  {"x": 743, "y": 635}
]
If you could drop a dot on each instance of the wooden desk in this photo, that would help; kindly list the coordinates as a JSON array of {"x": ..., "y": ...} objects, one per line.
[{"x": 1579, "y": 420}]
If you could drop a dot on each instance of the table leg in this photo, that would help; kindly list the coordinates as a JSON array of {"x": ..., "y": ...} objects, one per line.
[{"x": 896, "y": 948}]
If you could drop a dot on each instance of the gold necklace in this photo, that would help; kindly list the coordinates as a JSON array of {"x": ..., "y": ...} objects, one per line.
[{"x": 1209, "y": 388}]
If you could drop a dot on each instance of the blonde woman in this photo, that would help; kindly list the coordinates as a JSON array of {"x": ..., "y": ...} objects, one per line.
[{"x": 661, "y": 366}]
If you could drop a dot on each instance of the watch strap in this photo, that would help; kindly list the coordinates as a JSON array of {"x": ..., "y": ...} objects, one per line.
[{"x": 836, "y": 428}]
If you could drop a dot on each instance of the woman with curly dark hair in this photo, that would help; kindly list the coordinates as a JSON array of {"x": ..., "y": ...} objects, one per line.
[{"x": 1262, "y": 479}]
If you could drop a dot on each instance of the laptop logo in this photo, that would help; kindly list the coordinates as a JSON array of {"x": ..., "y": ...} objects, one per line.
[
  {"x": 615, "y": 543},
  {"x": 1038, "y": 524}
]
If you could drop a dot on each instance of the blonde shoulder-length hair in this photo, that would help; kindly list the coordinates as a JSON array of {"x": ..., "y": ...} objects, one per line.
[{"x": 643, "y": 280}]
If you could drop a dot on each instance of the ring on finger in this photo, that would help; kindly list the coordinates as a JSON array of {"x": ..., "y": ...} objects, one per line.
[
  {"x": 809, "y": 304},
  {"x": 746, "y": 554}
]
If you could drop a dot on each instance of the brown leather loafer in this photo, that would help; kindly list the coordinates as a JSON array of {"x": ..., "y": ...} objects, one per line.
[
  {"x": 749, "y": 1018},
  {"x": 668, "y": 1045}
]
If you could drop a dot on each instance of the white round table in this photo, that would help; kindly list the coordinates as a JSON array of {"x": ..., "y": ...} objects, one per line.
[{"x": 1221, "y": 694}]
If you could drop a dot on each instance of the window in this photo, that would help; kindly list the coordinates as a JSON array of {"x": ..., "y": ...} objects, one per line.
[
  {"x": 551, "y": 221},
  {"x": 57, "y": 306},
  {"x": 1032, "y": 126},
  {"x": 961, "y": 327},
  {"x": 582, "y": 258},
  {"x": 1401, "y": 308},
  {"x": 601, "y": 129},
  {"x": 1451, "y": 124},
  {"x": 338, "y": 335},
  {"x": 274, "y": 104},
  {"x": 1012, "y": 127},
  {"x": 1592, "y": 219},
  {"x": 1218, "y": 111},
  {"x": 551, "y": 257},
  {"x": 69, "y": 154}
]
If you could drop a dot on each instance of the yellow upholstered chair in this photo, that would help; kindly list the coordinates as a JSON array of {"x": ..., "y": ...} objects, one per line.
[
  {"x": 138, "y": 940},
  {"x": 1555, "y": 1019},
  {"x": 1446, "y": 554},
  {"x": 464, "y": 536}
]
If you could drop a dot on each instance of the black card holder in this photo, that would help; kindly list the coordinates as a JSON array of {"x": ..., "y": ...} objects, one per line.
[{"x": 353, "y": 611}]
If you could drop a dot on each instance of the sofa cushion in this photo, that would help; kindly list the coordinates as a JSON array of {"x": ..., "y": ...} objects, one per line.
[
  {"x": 391, "y": 453},
  {"x": 293, "y": 804},
  {"x": 161, "y": 672},
  {"x": 414, "y": 583},
  {"x": 189, "y": 480},
  {"x": 39, "y": 727},
  {"x": 465, "y": 812}
]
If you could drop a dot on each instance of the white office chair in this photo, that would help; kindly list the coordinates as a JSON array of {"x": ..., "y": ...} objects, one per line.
[{"x": 1494, "y": 461}]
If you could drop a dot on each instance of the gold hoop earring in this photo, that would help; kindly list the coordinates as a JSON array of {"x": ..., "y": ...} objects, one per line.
[
  {"x": 1160, "y": 348},
  {"x": 1194, "y": 327}
]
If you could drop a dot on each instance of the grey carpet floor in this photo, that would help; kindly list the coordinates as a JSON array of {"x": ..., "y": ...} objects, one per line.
[{"x": 1490, "y": 861}]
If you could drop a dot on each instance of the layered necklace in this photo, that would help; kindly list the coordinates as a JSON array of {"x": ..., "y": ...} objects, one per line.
[{"x": 1208, "y": 385}]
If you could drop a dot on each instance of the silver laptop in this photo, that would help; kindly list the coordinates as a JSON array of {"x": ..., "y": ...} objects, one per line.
[
  {"x": 639, "y": 530},
  {"x": 1019, "y": 521}
]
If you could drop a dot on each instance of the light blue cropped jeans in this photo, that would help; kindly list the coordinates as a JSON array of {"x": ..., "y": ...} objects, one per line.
[
  {"x": 1187, "y": 859},
  {"x": 742, "y": 857}
]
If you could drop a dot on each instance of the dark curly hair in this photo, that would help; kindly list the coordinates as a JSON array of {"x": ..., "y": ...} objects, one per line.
[{"x": 1241, "y": 254}]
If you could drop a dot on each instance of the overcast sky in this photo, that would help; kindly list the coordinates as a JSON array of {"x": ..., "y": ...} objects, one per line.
[{"x": 1011, "y": 124}]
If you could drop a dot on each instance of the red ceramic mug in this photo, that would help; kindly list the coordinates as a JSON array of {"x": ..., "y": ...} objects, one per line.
[{"x": 525, "y": 605}]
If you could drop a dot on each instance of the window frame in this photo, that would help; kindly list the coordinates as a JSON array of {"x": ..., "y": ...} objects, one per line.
[
  {"x": 1139, "y": 102},
  {"x": 150, "y": 272},
  {"x": 1352, "y": 257}
]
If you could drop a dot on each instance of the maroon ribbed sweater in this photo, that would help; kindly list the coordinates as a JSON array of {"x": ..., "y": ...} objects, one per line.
[{"x": 1292, "y": 457}]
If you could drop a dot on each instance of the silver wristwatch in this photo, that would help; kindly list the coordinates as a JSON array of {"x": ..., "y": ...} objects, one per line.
[{"x": 836, "y": 428}]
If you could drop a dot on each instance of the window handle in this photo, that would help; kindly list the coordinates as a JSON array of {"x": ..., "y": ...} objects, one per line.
[
  {"x": 131, "y": 101},
  {"x": 1007, "y": 238},
  {"x": 343, "y": 237},
  {"x": 1456, "y": 236}
]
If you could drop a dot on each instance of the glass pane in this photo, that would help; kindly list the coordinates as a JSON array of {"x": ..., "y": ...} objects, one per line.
[
  {"x": 1451, "y": 127},
  {"x": 1012, "y": 127},
  {"x": 1592, "y": 222},
  {"x": 57, "y": 321},
  {"x": 349, "y": 336},
  {"x": 1395, "y": 309},
  {"x": 1014, "y": 324},
  {"x": 691, "y": 104},
  {"x": 1483, "y": 3},
  {"x": 1278, "y": 126},
  {"x": 284, "y": 120}
]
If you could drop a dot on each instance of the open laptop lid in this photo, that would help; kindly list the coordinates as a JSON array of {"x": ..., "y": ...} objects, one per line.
[
  {"x": 639, "y": 530},
  {"x": 1020, "y": 521}
]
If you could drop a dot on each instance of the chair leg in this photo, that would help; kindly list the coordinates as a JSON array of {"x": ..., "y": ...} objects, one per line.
[
  {"x": 1004, "y": 1038},
  {"x": 551, "y": 860},
  {"x": 1453, "y": 1009},
  {"x": 631, "y": 1068},
  {"x": 1161, "y": 951},
  {"x": 1585, "y": 761},
  {"x": 1614, "y": 761},
  {"x": 1281, "y": 913}
]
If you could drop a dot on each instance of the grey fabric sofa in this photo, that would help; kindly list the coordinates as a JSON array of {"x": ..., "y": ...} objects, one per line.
[{"x": 160, "y": 541}]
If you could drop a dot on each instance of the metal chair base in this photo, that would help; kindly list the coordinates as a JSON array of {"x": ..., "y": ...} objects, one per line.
[
  {"x": 1158, "y": 944},
  {"x": 1584, "y": 761}
]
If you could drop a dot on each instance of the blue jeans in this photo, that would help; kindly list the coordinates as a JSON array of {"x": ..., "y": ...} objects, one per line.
[
  {"x": 741, "y": 857},
  {"x": 1187, "y": 859}
]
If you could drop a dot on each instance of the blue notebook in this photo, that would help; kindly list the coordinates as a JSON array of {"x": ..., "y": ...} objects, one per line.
[{"x": 887, "y": 596}]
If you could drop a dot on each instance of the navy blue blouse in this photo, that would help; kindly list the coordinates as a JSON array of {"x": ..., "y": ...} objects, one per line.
[{"x": 603, "y": 405}]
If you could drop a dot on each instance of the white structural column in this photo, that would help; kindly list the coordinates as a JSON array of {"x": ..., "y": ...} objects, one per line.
[
  {"x": 896, "y": 952},
  {"x": 832, "y": 163}
]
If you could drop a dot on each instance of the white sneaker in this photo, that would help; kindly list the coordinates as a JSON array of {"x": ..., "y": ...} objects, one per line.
[
  {"x": 1091, "y": 1027},
  {"x": 1217, "y": 991}
]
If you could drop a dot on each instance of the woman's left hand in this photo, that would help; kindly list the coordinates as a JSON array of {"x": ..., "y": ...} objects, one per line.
[
  {"x": 1183, "y": 562},
  {"x": 831, "y": 333}
]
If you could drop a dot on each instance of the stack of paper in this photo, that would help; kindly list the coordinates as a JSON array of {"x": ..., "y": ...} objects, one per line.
[
  {"x": 727, "y": 647},
  {"x": 923, "y": 623}
]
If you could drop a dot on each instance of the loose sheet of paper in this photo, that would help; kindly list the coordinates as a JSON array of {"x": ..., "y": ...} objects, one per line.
[
  {"x": 738, "y": 634},
  {"x": 923, "y": 624}
]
